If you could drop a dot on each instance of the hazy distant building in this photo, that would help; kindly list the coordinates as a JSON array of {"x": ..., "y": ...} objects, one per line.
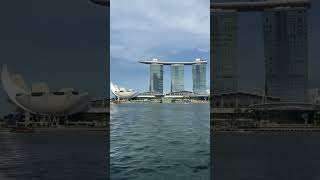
[
  {"x": 199, "y": 79},
  {"x": 177, "y": 77},
  {"x": 286, "y": 53},
  {"x": 156, "y": 78},
  {"x": 285, "y": 46}
]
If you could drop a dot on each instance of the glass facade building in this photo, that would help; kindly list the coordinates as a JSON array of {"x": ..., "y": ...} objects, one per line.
[
  {"x": 224, "y": 64},
  {"x": 285, "y": 35},
  {"x": 156, "y": 78},
  {"x": 199, "y": 78},
  {"x": 177, "y": 77},
  {"x": 286, "y": 53}
]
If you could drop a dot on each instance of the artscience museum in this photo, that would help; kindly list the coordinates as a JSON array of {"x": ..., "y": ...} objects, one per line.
[
  {"x": 122, "y": 93},
  {"x": 39, "y": 106}
]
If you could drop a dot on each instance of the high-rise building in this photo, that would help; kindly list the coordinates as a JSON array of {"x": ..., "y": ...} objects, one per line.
[
  {"x": 177, "y": 77},
  {"x": 199, "y": 78},
  {"x": 224, "y": 64},
  {"x": 286, "y": 53},
  {"x": 156, "y": 78},
  {"x": 285, "y": 46}
]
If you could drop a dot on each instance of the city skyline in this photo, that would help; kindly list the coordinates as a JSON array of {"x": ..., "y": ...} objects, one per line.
[{"x": 142, "y": 31}]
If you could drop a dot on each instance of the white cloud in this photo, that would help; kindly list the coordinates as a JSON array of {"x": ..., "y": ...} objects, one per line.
[
  {"x": 143, "y": 28},
  {"x": 203, "y": 49}
]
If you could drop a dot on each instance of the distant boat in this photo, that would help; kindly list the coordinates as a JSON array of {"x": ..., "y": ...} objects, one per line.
[{"x": 22, "y": 130}]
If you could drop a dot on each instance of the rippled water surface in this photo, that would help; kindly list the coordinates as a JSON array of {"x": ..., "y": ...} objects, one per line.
[
  {"x": 283, "y": 156},
  {"x": 160, "y": 141},
  {"x": 53, "y": 155}
]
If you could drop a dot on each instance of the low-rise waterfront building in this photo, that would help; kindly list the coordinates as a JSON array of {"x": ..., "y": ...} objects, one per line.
[
  {"x": 239, "y": 100},
  {"x": 148, "y": 97},
  {"x": 313, "y": 96},
  {"x": 172, "y": 97},
  {"x": 286, "y": 113},
  {"x": 244, "y": 110}
]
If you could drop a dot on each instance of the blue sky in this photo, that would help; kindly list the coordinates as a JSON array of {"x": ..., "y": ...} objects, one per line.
[{"x": 172, "y": 30}]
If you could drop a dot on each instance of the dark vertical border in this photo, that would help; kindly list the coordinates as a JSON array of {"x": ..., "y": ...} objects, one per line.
[
  {"x": 105, "y": 5},
  {"x": 210, "y": 98}
]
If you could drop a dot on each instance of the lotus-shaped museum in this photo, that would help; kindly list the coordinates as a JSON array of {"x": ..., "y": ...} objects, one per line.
[
  {"x": 40, "y": 100},
  {"x": 122, "y": 93}
]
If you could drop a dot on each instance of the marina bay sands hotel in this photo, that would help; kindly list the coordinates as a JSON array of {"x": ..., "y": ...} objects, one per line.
[
  {"x": 285, "y": 34},
  {"x": 177, "y": 75}
]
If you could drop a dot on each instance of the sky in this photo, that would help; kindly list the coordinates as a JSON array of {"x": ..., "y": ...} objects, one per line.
[{"x": 176, "y": 30}]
